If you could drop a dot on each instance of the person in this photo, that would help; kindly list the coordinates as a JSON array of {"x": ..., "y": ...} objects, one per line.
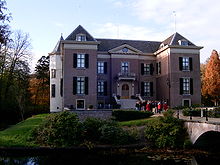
[
  {"x": 137, "y": 105},
  {"x": 159, "y": 107},
  {"x": 165, "y": 106},
  {"x": 148, "y": 106}
]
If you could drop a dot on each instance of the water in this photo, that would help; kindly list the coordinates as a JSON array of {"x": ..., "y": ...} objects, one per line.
[{"x": 112, "y": 159}]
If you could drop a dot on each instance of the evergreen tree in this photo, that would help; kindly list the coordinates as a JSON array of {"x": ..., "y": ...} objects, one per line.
[{"x": 211, "y": 79}]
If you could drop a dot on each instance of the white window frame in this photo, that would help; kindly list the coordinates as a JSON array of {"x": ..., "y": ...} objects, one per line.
[
  {"x": 185, "y": 64},
  {"x": 81, "y": 60},
  {"x": 146, "y": 69},
  {"x": 80, "y": 88},
  {"x": 183, "y": 42},
  {"x": 80, "y": 37},
  {"x": 83, "y": 105},
  {"x": 147, "y": 89},
  {"x": 186, "y": 84},
  {"x": 190, "y": 103},
  {"x": 100, "y": 68},
  {"x": 53, "y": 73},
  {"x": 100, "y": 89},
  {"x": 122, "y": 66}
]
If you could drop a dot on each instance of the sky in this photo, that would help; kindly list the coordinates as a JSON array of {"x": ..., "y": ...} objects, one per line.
[{"x": 151, "y": 20}]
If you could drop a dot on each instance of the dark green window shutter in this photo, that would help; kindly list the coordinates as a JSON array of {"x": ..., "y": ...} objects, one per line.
[
  {"x": 74, "y": 60},
  {"x": 86, "y": 61},
  {"x": 181, "y": 86},
  {"x": 53, "y": 89},
  {"x": 151, "y": 69},
  {"x": 142, "y": 69},
  {"x": 190, "y": 64},
  {"x": 61, "y": 87},
  {"x": 86, "y": 85},
  {"x": 157, "y": 68},
  {"x": 151, "y": 89},
  {"x": 181, "y": 63},
  {"x": 105, "y": 67},
  {"x": 105, "y": 88},
  {"x": 159, "y": 71},
  {"x": 74, "y": 85},
  {"x": 142, "y": 88},
  {"x": 191, "y": 86}
]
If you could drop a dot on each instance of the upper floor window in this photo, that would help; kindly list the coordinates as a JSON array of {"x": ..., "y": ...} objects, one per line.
[
  {"x": 185, "y": 63},
  {"x": 124, "y": 67},
  {"x": 186, "y": 86},
  {"x": 53, "y": 90},
  {"x": 147, "y": 69},
  {"x": 53, "y": 73},
  {"x": 183, "y": 42},
  {"x": 81, "y": 37},
  {"x": 80, "y": 60},
  {"x": 100, "y": 66}
]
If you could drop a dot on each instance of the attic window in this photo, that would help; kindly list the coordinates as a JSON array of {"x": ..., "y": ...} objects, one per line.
[
  {"x": 125, "y": 50},
  {"x": 183, "y": 42},
  {"x": 161, "y": 45},
  {"x": 80, "y": 37}
]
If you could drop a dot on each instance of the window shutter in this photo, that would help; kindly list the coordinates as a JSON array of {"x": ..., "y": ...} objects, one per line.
[
  {"x": 181, "y": 86},
  {"x": 74, "y": 85},
  {"x": 86, "y": 85},
  {"x": 151, "y": 69},
  {"x": 105, "y": 88},
  {"x": 142, "y": 69},
  {"x": 190, "y": 64},
  {"x": 151, "y": 89},
  {"x": 53, "y": 90},
  {"x": 74, "y": 60},
  {"x": 61, "y": 87},
  {"x": 156, "y": 68},
  {"x": 86, "y": 61},
  {"x": 105, "y": 67},
  {"x": 142, "y": 88},
  {"x": 181, "y": 63},
  {"x": 159, "y": 68},
  {"x": 191, "y": 86}
]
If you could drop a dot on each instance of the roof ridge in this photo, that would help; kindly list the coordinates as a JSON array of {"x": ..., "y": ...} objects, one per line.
[
  {"x": 174, "y": 35},
  {"x": 125, "y": 40}
]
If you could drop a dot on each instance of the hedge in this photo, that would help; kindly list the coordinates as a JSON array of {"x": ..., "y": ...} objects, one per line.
[{"x": 126, "y": 115}]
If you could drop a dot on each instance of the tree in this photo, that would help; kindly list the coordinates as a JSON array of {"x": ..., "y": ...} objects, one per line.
[
  {"x": 39, "y": 83},
  {"x": 211, "y": 79}
]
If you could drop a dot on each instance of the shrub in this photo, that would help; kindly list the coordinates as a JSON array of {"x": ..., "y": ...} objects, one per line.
[
  {"x": 60, "y": 129},
  {"x": 125, "y": 115},
  {"x": 193, "y": 112},
  {"x": 167, "y": 132}
]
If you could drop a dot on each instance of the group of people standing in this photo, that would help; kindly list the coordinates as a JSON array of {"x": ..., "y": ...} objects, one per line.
[{"x": 152, "y": 106}]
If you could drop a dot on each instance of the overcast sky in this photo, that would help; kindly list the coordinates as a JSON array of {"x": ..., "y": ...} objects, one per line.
[{"x": 152, "y": 20}]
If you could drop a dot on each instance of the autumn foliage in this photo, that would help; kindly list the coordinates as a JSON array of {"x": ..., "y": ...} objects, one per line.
[{"x": 211, "y": 78}]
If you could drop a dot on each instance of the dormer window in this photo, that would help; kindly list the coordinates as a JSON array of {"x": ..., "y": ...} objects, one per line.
[
  {"x": 183, "y": 42},
  {"x": 161, "y": 45},
  {"x": 80, "y": 37}
]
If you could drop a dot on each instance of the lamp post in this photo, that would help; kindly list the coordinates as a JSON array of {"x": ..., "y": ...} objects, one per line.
[{"x": 206, "y": 114}]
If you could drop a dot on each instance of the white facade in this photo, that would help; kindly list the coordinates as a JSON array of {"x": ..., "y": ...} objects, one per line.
[{"x": 56, "y": 101}]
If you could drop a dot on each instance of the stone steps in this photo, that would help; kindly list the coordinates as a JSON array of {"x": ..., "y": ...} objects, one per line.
[{"x": 128, "y": 103}]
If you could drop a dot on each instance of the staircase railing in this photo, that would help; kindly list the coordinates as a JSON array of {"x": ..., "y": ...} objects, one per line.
[
  {"x": 116, "y": 99},
  {"x": 140, "y": 98}
]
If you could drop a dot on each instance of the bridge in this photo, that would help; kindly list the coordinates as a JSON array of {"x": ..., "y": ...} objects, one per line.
[{"x": 200, "y": 128}]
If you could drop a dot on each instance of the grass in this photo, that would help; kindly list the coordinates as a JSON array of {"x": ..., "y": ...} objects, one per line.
[
  {"x": 139, "y": 122},
  {"x": 18, "y": 135}
]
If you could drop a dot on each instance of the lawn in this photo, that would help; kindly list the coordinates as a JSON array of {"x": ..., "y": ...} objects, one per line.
[
  {"x": 17, "y": 135},
  {"x": 139, "y": 122}
]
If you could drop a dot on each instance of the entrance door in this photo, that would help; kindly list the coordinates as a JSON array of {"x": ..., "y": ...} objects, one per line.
[{"x": 125, "y": 91}]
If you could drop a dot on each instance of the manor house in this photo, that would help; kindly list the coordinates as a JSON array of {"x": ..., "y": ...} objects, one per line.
[{"x": 93, "y": 72}]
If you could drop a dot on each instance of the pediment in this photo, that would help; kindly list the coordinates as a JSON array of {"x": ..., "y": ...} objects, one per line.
[{"x": 125, "y": 49}]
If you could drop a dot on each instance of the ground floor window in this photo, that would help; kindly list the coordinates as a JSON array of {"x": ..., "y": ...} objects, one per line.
[
  {"x": 186, "y": 102},
  {"x": 80, "y": 104}
]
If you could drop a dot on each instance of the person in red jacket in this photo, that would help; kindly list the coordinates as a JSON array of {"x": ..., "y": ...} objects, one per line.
[
  {"x": 159, "y": 107},
  {"x": 148, "y": 106},
  {"x": 165, "y": 106}
]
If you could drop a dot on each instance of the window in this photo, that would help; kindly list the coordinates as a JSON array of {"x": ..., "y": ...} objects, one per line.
[
  {"x": 100, "y": 88},
  {"x": 147, "y": 69},
  {"x": 80, "y": 60},
  {"x": 186, "y": 86},
  {"x": 146, "y": 88},
  {"x": 80, "y": 104},
  {"x": 53, "y": 73},
  {"x": 80, "y": 85},
  {"x": 53, "y": 90},
  {"x": 100, "y": 67},
  {"x": 125, "y": 50},
  {"x": 80, "y": 37},
  {"x": 185, "y": 63},
  {"x": 183, "y": 42},
  {"x": 124, "y": 67}
]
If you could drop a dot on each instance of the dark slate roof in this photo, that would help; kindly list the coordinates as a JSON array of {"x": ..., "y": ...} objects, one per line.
[
  {"x": 57, "y": 47},
  {"x": 144, "y": 46},
  {"x": 79, "y": 30},
  {"x": 173, "y": 40}
]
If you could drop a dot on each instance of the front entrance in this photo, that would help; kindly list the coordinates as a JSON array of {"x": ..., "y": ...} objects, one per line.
[{"x": 125, "y": 91}]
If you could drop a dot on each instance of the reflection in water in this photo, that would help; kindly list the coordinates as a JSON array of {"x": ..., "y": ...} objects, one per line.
[{"x": 122, "y": 159}]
